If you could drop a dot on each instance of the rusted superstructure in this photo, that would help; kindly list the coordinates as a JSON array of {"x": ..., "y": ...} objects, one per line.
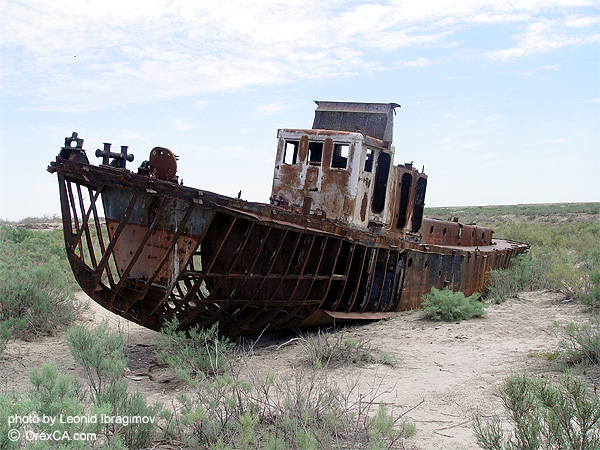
[{"x": 343, "y": 237}]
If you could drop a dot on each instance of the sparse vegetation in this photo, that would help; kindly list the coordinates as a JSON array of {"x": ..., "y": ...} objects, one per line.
[
  {"x": 564, "y": 257},
  {"x": 237, "y": 407},
  {"x": 451, "y": 306},
  {"x": 193, "y": 355},
  {"x": 495, "y": 216},
  {"x": 36, "y": 284},
  {"x": 525, "y": 273},
  {"x": 100, "y": 352},
  {"x": 236, "y": 404},
  {"x": 548, "y": 355},
  {"x": 592, "y": 295},
  {"x": 327, "y": 350},
  {"x": 60, "y": 396},
  {"x": 565, "y": 247},
  {"x": 543, "y": 416},
  {"x": 580, "y": 343}
]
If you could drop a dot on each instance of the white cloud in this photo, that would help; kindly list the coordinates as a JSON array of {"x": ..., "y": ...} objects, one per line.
[
  {"x": 492, "y": 18},
  {"x": 107, "y": 52},
  {"x": 473, "y": 144},
  {"x": 546, "y": 35},
  {"x": 418, "y": 62},
  {"x": 272, "y": 108},
  {"x": 183, "y": 124},
  {"x": 494, "y": 118},
  {"x": 561, "y": 140}
]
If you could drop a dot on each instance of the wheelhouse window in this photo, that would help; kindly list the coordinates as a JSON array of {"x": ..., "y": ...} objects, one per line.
[
  {"x": 315, "y": 153},
  {"x": 369, "y": 160},
  {"x": 339, "y": 160},
  {"x": 419, "y": 205},
  {"x": 290, "y": 155},
  {"x": 405, "y": 184},
  {"x": 381, "y": 179}
]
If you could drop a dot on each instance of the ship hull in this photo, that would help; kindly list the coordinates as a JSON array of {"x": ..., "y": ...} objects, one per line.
[{"x": 152, "y": 251}]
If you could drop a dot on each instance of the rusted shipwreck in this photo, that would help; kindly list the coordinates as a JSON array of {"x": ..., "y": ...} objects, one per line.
[{"x": 343, "y": 237}]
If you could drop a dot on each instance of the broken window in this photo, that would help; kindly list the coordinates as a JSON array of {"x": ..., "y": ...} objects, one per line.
[
  {"x": 405, "y": 183},
  {"x": 339, "y": 159},
  {"x": 315, "y": 153},
  {"x": 419, "y": 204},
  {"x": 369, "y": 160},
  {"x": 290, "y": 155},
  {"x": 381, "y": 179}
]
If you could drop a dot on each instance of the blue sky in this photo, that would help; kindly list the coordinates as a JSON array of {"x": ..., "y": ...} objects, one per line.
[{"x": 500, "y": 99}]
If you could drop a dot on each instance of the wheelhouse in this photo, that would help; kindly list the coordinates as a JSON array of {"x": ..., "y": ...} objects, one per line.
[{"x": 342, "y": 169}]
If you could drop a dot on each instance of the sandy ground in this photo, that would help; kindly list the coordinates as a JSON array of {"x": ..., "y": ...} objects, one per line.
[{"x": 442, "y": 372}]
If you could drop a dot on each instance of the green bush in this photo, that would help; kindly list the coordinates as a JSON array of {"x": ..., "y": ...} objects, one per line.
[
  {"x": 580, "y": 343},
  {"x": 524, "y": 274},
  {"x": 100, "y": 352},
  {"x": 543, "y": 416},
  {"x": 302, "y": 412},
  {"x": 450, "y": 306},
  {"x": 195, "y": 354},
  {"x": 592, "y": 294},
  {"x": 563, "y": 257},
  {"x": 56, "y": 395},
  {"x": 10, "y": 404},
  {"x": 329, "y": 350},
  {"x": 36, "y": 284}
]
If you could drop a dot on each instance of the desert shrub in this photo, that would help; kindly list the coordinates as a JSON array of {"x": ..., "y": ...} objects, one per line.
[
  {"x": 450, "y": 306},
  {"x": 6, "y": 332},
  {"x": 193, "y": 354},
  {"x": 36, "y": 285},
  {"x": 592, "y": 295},
  {"x": 56, "y": 395},
  {"x": 100, "y": 352},
  {"x": 10, "y": 404},
  {"x": 563, "y": 258},
  {"x": 543, "y": 416},
  {"x": 324, "y": 350},
  {"x": 329, "y": 350},
  {"x": 525, "y": 273},
  {"x": 237, "y": 407},
  {"x": 565, "y": 247},
  {"x": 53, "y": 395},
  {"x": 580, "y": 343},
  {"x": 384, "y": 428},
  {"x": 305, "y": 411}
]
